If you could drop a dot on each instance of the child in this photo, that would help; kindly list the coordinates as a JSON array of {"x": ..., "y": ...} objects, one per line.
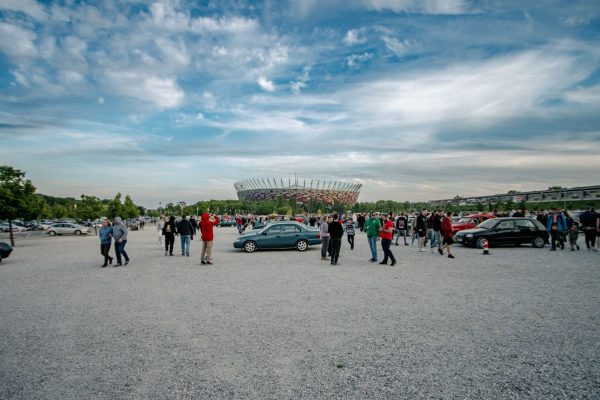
[{"x": 573, "y": 235}]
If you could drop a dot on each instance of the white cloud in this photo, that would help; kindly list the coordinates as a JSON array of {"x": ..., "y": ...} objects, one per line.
[
  {"x": 419, "y": 6},
  {"x": 266, "y": 84},
  {"x": 355, "y": 60},
  {"x": 28, "y": 7},
  {"x": 589, "y": 95},
  {"x": 302, "y": 81},
  {"x": 16, "y": 41},
  {"x": 398, "y": 47},
  {"x": 100, "y": 100},
  {"x": 353, "y": 36},
  {"x": 162, "y": 92}
]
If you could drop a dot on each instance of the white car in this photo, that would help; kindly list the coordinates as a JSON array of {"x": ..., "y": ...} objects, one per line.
[
  {"x": 4, "y": 227},
  {"x": 67, "y": 228}
]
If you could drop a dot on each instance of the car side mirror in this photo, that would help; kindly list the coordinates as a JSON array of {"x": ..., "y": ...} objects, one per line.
[{"x": 264, "y": 233}]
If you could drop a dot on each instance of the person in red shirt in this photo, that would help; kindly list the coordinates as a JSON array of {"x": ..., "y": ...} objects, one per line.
[
  {"x": 207, "y": 223},
  {"x": 446, "y": 230},
  {"x": 386, "y": 233}
]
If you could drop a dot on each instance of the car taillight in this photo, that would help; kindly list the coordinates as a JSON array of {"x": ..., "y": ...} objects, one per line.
[{"x": 318, "y": 236}]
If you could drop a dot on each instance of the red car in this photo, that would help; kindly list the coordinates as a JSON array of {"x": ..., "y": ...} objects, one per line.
[{"x": 470, "y": 222}]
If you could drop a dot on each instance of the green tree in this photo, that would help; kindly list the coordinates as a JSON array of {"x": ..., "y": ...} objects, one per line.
[
  {"x": 16, "y": 196},
  {"x": 130, "y": 210},
  {"x": 90, "y": 207},
  {"x": 115, "y": 208}
]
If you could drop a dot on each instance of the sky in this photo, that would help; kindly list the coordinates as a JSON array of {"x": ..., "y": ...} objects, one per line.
[{"x": 416, "y": 99}]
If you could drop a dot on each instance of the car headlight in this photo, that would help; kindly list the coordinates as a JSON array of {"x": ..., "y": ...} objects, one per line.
[{"x": 469, "y": 235}]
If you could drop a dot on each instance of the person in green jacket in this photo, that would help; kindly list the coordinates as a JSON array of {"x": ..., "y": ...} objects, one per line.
[{"x": 372, "y": 226}]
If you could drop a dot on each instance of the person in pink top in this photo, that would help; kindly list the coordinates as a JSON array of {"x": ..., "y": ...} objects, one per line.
[{"x": 207, "y": 223}]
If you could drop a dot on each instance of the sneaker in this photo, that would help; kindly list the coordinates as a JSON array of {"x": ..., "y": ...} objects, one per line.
[
  {"x": 126, "y": 262},
  {"x": 209, "y": 262},
  {"x": 170, "y": 254},
  {"x": 118, "y": 264},
  {"x": 166, "y": 253},
  {"x": 203, "y": 262},
  {"x": 450, "y": 256},
  {"x": 572, "y": 248},
  {"x": 110, "y": 260},
  {"x": 383, "y": 263},
  {"x": 422, "y": 250},
  {"x": 373, "y": 260},
  {"x": 393, "y": 263},
  {"x": 577, "y": 249},
  {"x": 396, "y": 244},
  {"x": 323, "y": 258},
  {"x": 441, "y": 252},
  {"x": 187, "y": 255},
  {"x": 103, "y": 265},
  {"x": 406, "y": 244}
]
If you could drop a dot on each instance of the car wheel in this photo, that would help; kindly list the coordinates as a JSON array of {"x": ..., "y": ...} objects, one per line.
[
  {"x": 250, "y": 246},
  {"x": 539, "y": 242},
  {"x": 52, "y": 233},
  {"x": 480, "y": 242},
  {"x": 301, "y": 245},
  {"x": 78, "y": 232}
]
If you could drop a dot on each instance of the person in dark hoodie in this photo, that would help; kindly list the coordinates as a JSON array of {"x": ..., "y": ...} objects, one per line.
[
  {"x": 186, "y": 232},
  {"x": 120, "y": 232},
  {"x": 169, "y": 231},
  {"x": 336, "y": 231}
]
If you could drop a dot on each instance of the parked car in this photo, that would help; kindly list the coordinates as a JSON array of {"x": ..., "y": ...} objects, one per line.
[
  {"x": 279, "y": 235},
  {"x": 505, "y": 231},
  {"x": 469, "y": 222},
  {"x": 227, "y": 222},
  {"x": 5, "y": 227},
  {"x": 67, "y": 228}
]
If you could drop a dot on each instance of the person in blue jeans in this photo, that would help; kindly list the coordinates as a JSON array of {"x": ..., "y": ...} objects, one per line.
[
  {"x": 372, "y": 226},
  {"x": 120, "y": 235},
  {"x": 186, "y": 231},
  {"x": 105, "y": 242}
]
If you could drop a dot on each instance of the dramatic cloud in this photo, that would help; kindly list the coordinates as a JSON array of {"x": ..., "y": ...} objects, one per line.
[{"x": 414, "y": 99}]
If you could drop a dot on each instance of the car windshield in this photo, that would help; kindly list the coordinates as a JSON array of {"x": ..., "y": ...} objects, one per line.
[
  {"x": 464, "y": 220},
  {"x": 487, "y": 224}
]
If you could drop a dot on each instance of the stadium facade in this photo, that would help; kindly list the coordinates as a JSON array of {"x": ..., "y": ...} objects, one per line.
[{"x": 303, "y": 191}]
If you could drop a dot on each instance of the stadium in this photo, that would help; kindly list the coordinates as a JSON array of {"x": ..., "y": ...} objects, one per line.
[{"x": 305, "y": 191}]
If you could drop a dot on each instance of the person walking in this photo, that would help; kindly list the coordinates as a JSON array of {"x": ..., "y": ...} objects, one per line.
[
  {"x": 401, "y": 228},
  {"x": 350, "y": 232},
  {"x": 556, "y": 225},
  {"x": 413, "y": 228},
  {"x": 589, "y": 222},
  {"x": 446, "y": 233},
  {"x": 324, "y": 232},
  {"x": 186, "y": 232},
  {"x": 159, "y": 227},
  {"x": 105, "y": 235},
  {"x": 387, "y": 233},
  {"x": 207, "y": 224},
  {"x": 573, "y": 236},
  {"x": 120, "y": 232},
  {"x": 436, "y": 235},
  {"x": 169, "y": 230},
  {"x": 336, "y": 231},
  {"x": 372, "y": 226},
  {"x": 421, "y": 227}
]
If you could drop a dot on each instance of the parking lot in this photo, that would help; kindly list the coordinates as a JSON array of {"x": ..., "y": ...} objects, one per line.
[{"x": 519, "y": 323}]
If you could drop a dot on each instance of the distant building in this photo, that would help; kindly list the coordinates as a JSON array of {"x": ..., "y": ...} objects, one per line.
[
  {"x": 303, "y": 191},
  {"x": 536, "y": 196}
]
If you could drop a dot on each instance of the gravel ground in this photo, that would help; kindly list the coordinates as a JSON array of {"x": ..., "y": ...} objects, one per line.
[{"x": 519, "y": 323}]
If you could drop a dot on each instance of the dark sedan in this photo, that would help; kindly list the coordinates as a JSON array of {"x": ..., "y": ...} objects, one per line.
[
  {"x": 505, "y": 231},
  {"x": 279, "y": 235}
]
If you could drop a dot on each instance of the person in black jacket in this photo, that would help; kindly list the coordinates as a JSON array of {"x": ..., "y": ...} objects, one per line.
[
  {"x": 336, "y": 231},
  {"x": 186, "y": 232},
  {"x": 589, "y": 221},
  {"x": 169, "y": 231},
  {"x": 421, "y": 228}
]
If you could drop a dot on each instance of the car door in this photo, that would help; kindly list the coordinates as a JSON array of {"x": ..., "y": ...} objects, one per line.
[
  {"x": 526, "y": 230},
  {"x": 505, "y": 233},
  {"x": 271, "y": 237},
  {"x": 289, "y": 235}
]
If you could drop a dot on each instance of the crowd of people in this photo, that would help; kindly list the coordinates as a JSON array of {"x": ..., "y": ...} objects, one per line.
[{"x": 431, "y": 230}]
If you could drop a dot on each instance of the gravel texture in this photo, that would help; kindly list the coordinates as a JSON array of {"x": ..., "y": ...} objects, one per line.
[{"x": 519, "y": 323}]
